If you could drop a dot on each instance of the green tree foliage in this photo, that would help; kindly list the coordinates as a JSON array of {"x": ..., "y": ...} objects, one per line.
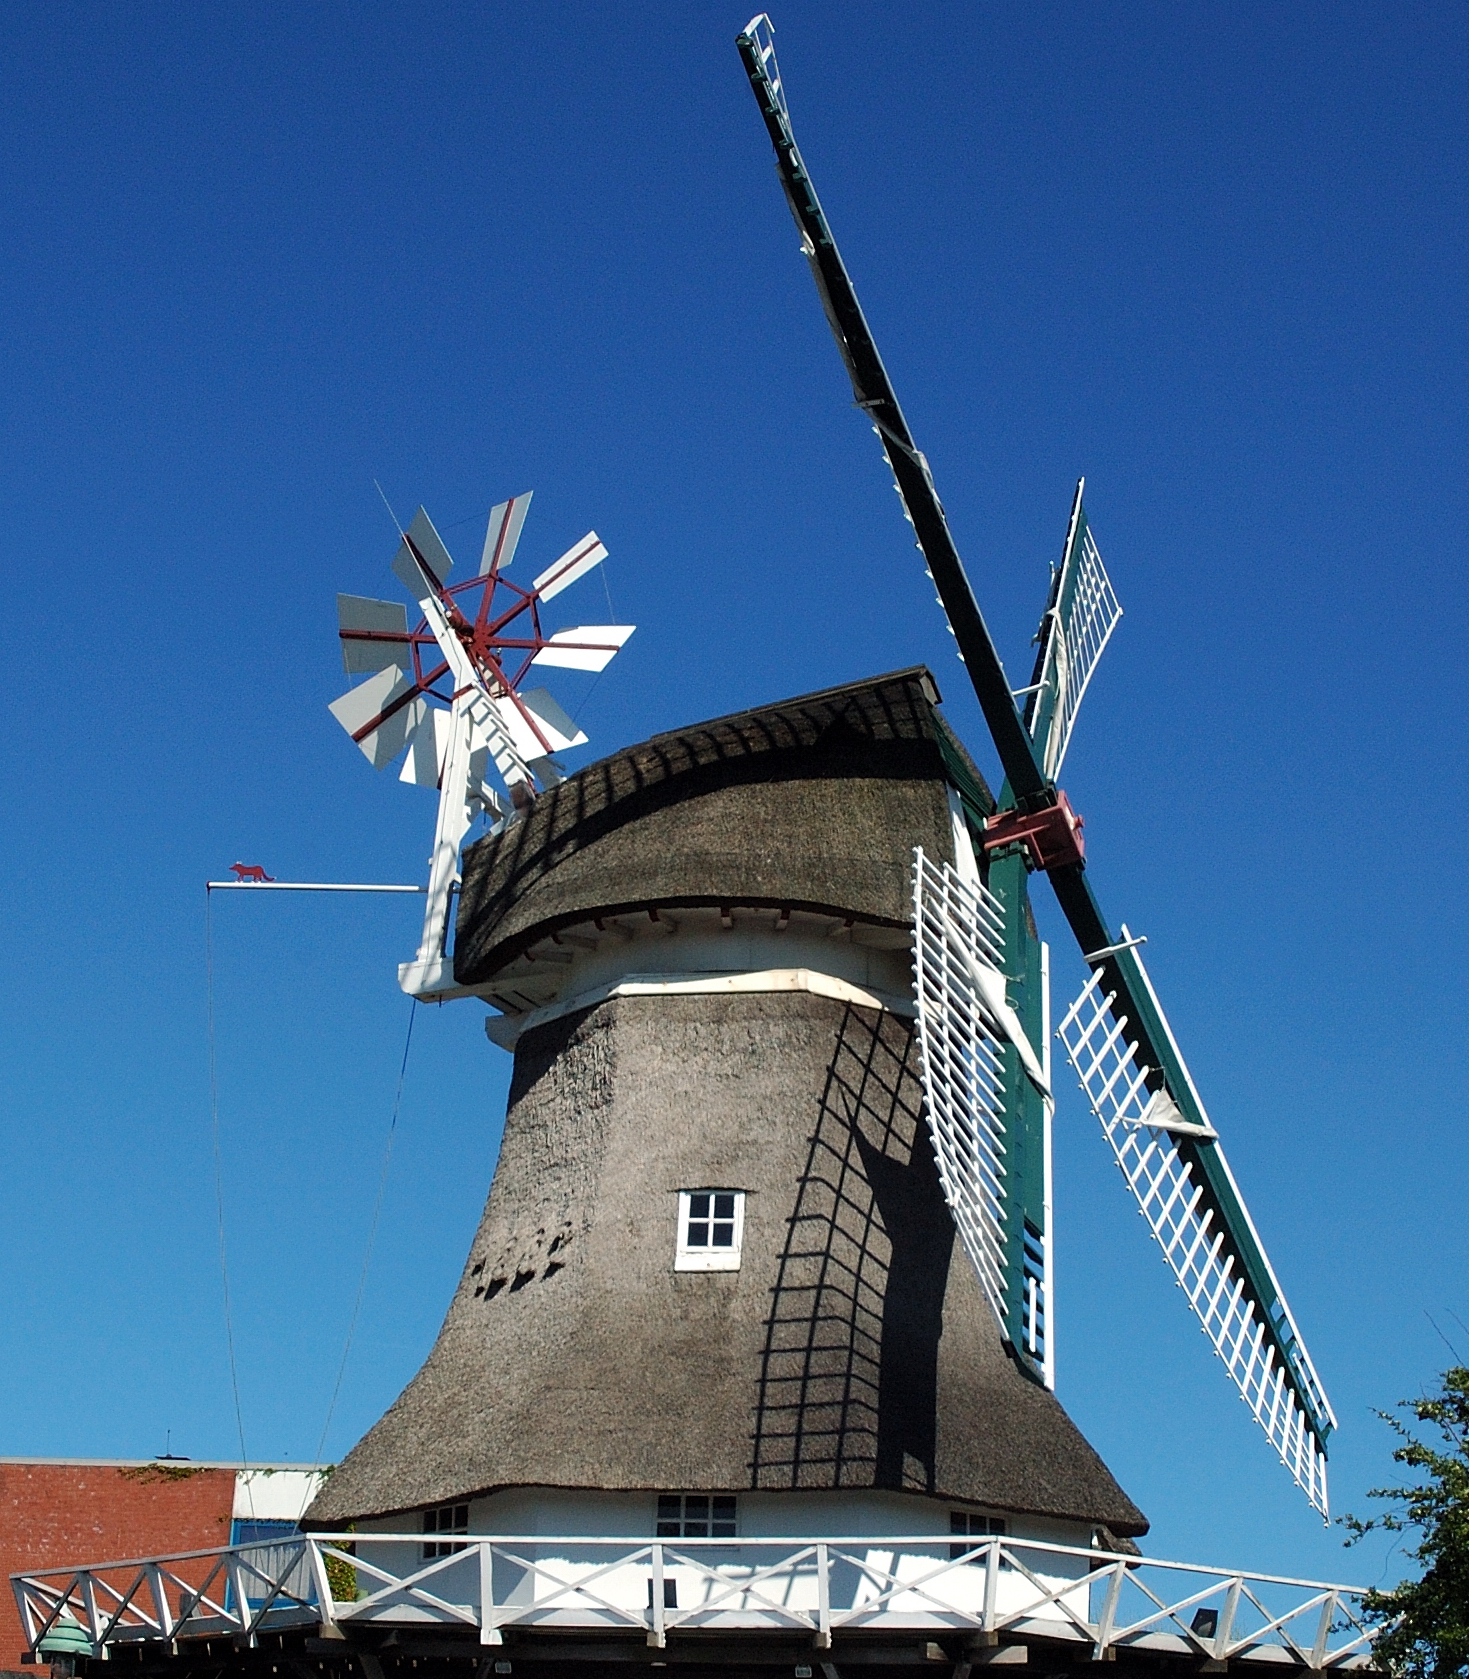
[
  {"x": 1427, "y": 1619},
  {"x": 340, "y": 1575}
]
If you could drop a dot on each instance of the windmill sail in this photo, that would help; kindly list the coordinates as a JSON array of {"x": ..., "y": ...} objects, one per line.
[
  {"x": 373, "y": 633},
  {"x": 1177, "y": 1172},
  {"x": 590, "y": 647},
  {"x": 546, "y": 729},
  {"x": 876, "y": 397},
  {"x": 427, "y": 750},
  {"x": 575, "y": 563},
  {"x": 980, "y": 1076},
  {"x": 421, "y": 539},
  {"x": 1036, "y": 814},
  {"x": 503, "y": 533},
  {"x": 1079, "y": 619},
  {"x": 957, "y": 935},
  {"x": 381, "y": 714}
]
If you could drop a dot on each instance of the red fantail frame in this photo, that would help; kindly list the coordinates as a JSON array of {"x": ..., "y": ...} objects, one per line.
[{"x": 485, "y": 636}]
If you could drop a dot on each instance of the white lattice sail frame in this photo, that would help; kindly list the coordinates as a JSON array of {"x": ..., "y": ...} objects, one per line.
[
  {"x": 1140, "y": 1125},
  {"x": 1090, "y": 618},
  {"x": 958, "y": 931}
]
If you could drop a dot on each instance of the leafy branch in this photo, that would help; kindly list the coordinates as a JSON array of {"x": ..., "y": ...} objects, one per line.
[{"x": 1427, "y": 1620}]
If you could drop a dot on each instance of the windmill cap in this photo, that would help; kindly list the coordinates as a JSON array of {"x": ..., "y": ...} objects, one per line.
[{"x": 812, "y": 804}]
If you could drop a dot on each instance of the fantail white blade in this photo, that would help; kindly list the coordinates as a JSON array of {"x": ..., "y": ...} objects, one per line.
[
  {"x": 592, "y": 647},
  {"x": 574, "y": 563},
  {"x": 425, "y": 538},
  {"x": 558, "y": 730},
  {"x": 424, "y": 764},
  {"x": 380, "y": 714},
  {"x": 363, "y": 652},
  {"x": 503, "y": 533}
]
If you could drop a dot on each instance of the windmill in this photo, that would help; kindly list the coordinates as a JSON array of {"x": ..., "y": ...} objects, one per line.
[
  {"x": 1116, "y": 1035},
  {"x": 752, "y": 1358},
  {"x": 771, "y": 1216},
  {"x": 717, "y": 1261},
  {"x": 447, "y": 695}
]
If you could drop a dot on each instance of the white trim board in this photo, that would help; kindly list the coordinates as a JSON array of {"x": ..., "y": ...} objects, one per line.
[{"x": 505, "y": 1029}]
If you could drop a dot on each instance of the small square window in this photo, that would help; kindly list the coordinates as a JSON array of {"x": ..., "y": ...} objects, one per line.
[
  {"x": 696, "y": 1515},
  {"x": 448, "y": 1518},
  {"x": 711, "y": 1228},
  {"x": 975, "y": 1526}
]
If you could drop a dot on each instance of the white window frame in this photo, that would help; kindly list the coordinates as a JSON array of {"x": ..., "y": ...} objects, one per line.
[
  {"x": 708, "y": 1258},
  {"x": 672, "y": 1512},
  {"x": 970, "y": 1525},
  {"x": 444, "y": 1519}
]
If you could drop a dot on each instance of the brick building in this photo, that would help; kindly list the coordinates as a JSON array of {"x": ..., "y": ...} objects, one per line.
[{"x": 59, "y": 1511}]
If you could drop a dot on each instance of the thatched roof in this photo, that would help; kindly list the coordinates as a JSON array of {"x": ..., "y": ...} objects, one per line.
[{"x": 812, "y": 804}]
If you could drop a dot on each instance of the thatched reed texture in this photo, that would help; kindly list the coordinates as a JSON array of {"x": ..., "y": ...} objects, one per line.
[{"x": 851, "y": 1349}]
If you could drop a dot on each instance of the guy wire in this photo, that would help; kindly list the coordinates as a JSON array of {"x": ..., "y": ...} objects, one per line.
[
  {"x": 612, "y": 614},
  {"x": 382, "y": 1184},
  {"x": 224, "y": 1270},
  {"x": 386, "y": 503}
]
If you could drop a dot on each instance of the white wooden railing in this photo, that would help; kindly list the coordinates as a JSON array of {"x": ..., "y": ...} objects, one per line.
[{"x": 818, "y": 1587}]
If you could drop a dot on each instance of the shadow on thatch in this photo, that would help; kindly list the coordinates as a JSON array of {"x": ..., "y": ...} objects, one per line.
[{"x": 848, "y": 1378}]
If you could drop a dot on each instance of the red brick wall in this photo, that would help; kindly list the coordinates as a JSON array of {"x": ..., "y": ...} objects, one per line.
[{"x": 59, "y": 1514}]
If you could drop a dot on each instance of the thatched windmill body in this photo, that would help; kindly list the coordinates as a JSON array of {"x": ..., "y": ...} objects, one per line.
[
  {"x": 717, "y": 1278},
  {"x": 768, "y": 1247}
]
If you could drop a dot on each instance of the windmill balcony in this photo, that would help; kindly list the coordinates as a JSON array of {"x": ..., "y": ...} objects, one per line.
[
  {"x": 997, "y": 1598},
  {"x": 730, "y": 1583}
]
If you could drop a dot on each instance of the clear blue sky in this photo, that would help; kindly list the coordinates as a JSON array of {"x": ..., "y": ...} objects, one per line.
[{"x": 255, "y": 257}]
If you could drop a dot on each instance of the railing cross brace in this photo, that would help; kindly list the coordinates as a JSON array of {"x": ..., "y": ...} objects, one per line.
[
  {"x": 1108, "y": 1617},
  {"x": 658, "y": 1636},
  {"x": 993, "y": 1589}
]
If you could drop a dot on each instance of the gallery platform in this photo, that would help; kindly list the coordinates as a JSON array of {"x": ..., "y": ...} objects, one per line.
[{"x": 370, "y": 1605}]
